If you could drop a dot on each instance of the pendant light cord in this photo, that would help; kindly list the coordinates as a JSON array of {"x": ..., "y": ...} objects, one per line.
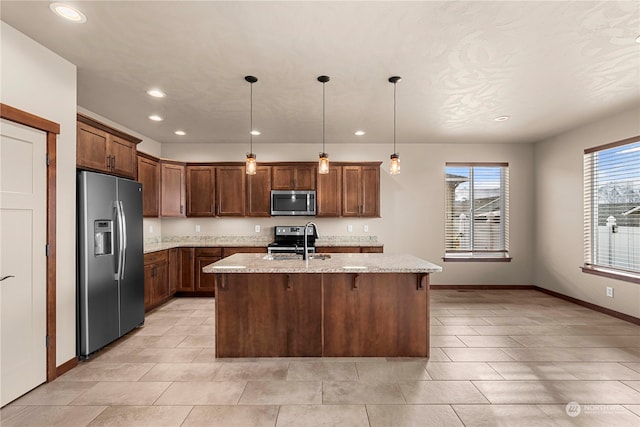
[
  {"x": 251, "y": 122},
  {"x": 394, "y": 118},
  {"x": 323, "y": 117}
]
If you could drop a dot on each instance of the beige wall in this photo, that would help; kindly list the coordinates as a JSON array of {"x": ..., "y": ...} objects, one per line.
[
  {"x": 412, "y": 206},
  {"x": 36, "y": 80},
  {"x": 559, "y": 214}
]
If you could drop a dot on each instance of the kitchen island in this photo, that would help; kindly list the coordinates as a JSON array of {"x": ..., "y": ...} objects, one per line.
[{"x": 346, "y": 305}]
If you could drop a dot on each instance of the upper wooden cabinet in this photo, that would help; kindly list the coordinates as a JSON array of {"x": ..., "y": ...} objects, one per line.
[
  {"x": 172, "y": 194},
  {"x": 230, "y": 190},
  {"x": 149, "y": 176},
  {"x": 294, "y": 177},
  {"x": 201, "y": 190},
  {"x": 329, "y": 193},
  {"x": 361, "y": 190},
  {"x": 258, "y": 194},
  {"x": 105, "y": 149}
]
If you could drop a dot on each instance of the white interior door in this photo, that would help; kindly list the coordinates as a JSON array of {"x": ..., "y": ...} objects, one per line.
[{"x": 23, "y": 356}]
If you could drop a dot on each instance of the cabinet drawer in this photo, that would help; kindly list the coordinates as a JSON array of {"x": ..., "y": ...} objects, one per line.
[
  {"x": 155, "y": 257},
  {"x": 208, "y": 252}
]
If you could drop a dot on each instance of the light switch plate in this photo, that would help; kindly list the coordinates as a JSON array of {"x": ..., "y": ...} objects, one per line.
[
  {"x": 257, "y": 228},
  {"x": 350, "y": 228},
  {"x": 365, "y": 228},
  {"x": 609, "y": 291},
  {"x": 197, "y": 228}
]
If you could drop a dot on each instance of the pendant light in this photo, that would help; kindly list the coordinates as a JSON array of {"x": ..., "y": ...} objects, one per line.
[
  {"x": 251, "y": 158},
  {"x": 323, "y": 163},
  {"x": 394, "y": 165}
]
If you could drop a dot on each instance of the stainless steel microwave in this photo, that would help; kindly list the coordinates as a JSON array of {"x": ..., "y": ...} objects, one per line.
[{"x": 293, "y": 202}]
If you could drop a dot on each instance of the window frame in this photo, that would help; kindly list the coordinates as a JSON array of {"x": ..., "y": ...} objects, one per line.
[
  {"x": 589, "y": 267},
  {"x": 501, "y": 255}
]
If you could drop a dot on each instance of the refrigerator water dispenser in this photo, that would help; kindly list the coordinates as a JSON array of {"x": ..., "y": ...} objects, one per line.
[{"x": 102, "y": 230}]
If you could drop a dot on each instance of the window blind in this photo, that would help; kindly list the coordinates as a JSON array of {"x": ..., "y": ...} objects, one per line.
[
  {"x": 612, "y": 206},
  {"x": 476, "y": 209}
]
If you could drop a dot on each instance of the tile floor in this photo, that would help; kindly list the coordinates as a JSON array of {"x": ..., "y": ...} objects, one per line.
[{"x": 499, "y": 358}]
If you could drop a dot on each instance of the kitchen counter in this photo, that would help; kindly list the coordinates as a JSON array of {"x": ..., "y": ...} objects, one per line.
[
  {"x": 337, "y": 263},
  {"x": 349, "y": 305}
]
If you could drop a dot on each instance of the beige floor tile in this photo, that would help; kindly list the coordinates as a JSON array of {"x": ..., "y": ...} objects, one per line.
[
  {"x": 152, "y": 330},
  {"x": 181, "y": 372},
  {"x": 207, "y": 330},
  {"x": 232, "y": 416},
  {"x": 167, "y": 355},
  {"x": 531, "y": 371},
  {"x": 633, "y": 384},
  {"x": 541, "y": 392},
  {"x": 412, "y": 415},
  {"x": 54, "y": 393},
  {"x": 440, "y": 392},
  {"x": 599, "y": 371},
  {"x": 47, "y": 416},
  {"x": 141, "y": 416},
  {"x": 462, "y": 371},
  {"x": 319, "y": 370},
  {"x": 607, "y": 354},
  {"x": 244, "y": 371},
  {"x": 543, "y": 330},
  {"x": 162, "y": 341},
  {"x": 106, "y": 371},
  {"x": 392, "y": 371},
  {"x": 207, "y": 355},
  {"x": 496, "y": 341},
  {"x": 192, "y": 320},
  {"x": 633, "y": 408},
  {"x": 198, "y": 341},
  {"x": 511, "y": 321},
  {"x": 437, "y": 355},
  {"x": 202, "y": 393},
  {"x": 356, "y": 392},
  {"x": 452, "y": 330},
  {"x": 282, "y": 393},
  {"x": 121, "y": 393},
  {"x": 592, "y": 416},
  {"x": 477, "y": 354},
  {"x": 633, "y": 365},
  {"x": 543, "y": 354},
  {"x": 503, "y": 416},
  {"x": 466, "y": 312},
  {"x": 322, "y": 416},
  {"x": 497, "y": 330},
  {"x": 445, "y": 341},
  {"x": 462, "y": 320}
]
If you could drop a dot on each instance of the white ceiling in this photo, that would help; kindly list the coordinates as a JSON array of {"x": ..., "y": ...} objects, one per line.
[{"x": 548, "y": 65}]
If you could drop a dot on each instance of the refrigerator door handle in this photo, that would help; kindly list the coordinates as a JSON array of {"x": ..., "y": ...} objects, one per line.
[
  {"x": 118, "y": 272},
  {"x": 124, "y": 240}
]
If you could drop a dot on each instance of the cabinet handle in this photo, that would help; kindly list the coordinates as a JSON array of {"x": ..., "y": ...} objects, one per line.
[
  {"x": 356, "y": 282},
  {"x": 108, "y": 162},
  {"x": 113, "y": 162},
  {"x": 422, "y": 282},
  {"x": 181, "y": 208},
  {"x": 288, "y": 286}
]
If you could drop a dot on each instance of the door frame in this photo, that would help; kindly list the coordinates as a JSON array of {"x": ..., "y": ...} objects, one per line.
[{"x": 52, "y": 130}]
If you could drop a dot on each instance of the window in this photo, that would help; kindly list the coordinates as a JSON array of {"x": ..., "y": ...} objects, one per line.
[
  {"x": 477, "y": 212},
  {"x": 612, "y": 210}
]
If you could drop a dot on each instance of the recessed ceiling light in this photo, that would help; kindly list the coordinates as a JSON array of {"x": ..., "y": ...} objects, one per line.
[
  {"x": 255, "y": 132},
  {"x": 155, "y": 118},
  {"x": 501, "y": 118},
  {"x": 359, "y": 132},
  {"x": 68, "y": 12},
  {"x": 180, "y": 132},
  {"x": 638, "y": 39},
  {"x": 156, "y": 93}
]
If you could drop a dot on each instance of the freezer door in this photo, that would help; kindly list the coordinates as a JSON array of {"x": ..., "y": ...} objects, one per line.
[
  {"x": 98, "y": 322},
  {"x": 132, "y": 261}
]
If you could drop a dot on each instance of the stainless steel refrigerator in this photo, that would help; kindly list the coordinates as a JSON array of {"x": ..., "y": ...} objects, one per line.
[{"x": 110, "y": 259}]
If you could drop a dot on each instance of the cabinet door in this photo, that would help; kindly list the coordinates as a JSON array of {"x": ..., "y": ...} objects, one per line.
[
  {"x": 174, "y": 270},
  {"x": 173, "y": 188},
  {"x": 351, "y": 187},
  {"x": 205, "y": 281},
  {"x": 201, "y": 190},
  {"x": 258, "y": 197},
  {"x": 305, "y": 177},
  {"x": 329, "y": 193},
  {"x": 149, "y": 176},
  {"x": 149, "y": 284},
  {"x": 230, "y": 186},
  {"x": 92, "y": 148},
  {"x": 370, "y": 191},
  {"x": 283, "y": 178},
  {"x": 123, "y": 157},
  {"x": 186, "y": 269},
  {"x": 161, "y": 283},
  {"x": 294, "y": 177}
]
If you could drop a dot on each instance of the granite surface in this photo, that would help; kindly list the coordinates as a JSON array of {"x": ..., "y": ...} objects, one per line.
[
  {"x": 337, "y": 263},
  {"x": 155, "y": 244}
]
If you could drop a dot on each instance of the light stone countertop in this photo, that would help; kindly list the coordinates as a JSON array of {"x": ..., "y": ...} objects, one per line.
[{"x": 338, "y": 263}]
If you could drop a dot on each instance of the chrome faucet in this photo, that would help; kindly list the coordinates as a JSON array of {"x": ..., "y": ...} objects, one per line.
[{"x": 305, "y": 254}]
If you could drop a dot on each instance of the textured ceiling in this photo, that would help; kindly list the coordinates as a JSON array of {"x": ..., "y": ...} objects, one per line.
[{"x": 548, "y": 65}]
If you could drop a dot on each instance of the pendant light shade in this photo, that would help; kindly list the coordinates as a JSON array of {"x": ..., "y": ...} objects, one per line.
[
  {"x": 323, "y": 163},
  {"x": 250, "y": 164},
  {"x": 394, "y": 165}
]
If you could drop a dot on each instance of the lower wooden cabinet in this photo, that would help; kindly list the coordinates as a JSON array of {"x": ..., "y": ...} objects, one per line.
[
  {"x": 185, "y": 270},
  {"x": 204, "y": 256},
  {"x": 156, "y": 279}
]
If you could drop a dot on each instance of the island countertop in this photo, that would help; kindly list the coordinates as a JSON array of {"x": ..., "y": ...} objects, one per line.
[{"x": 337, "y": 263}]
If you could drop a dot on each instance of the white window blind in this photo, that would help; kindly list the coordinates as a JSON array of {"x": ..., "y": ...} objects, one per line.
[
  {"x": 612, "y": 207},
  {"x": 476, "y": 210}
]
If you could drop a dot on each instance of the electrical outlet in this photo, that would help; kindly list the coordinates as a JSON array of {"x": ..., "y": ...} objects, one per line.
[
  {"x": 197, "y": 228},
  {"x": 365, "y": 228},
  {"x": 151, "y": 229},
  {"x": 350, "y": 228},
  {"x": 609, "y": 291},
  {"x": 257, "y": 228}
]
